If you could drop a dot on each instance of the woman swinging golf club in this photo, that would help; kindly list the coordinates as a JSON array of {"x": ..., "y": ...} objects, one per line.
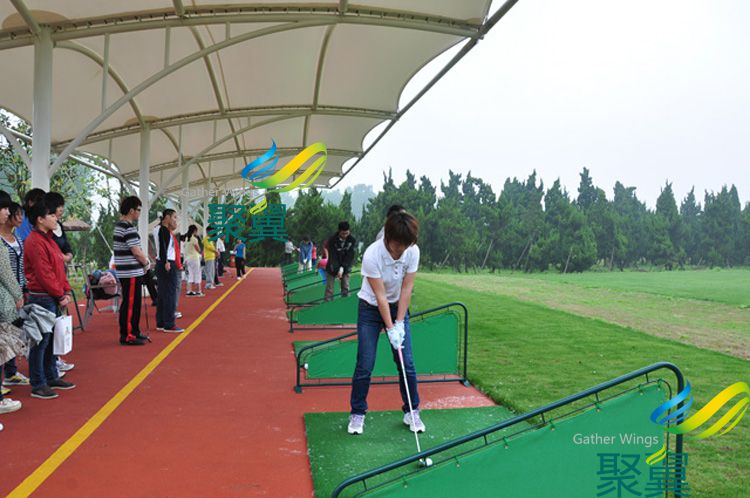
[{"x": 390, "y": 266}]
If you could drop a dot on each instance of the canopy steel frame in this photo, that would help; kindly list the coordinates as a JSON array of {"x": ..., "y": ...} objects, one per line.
[{"x": 229, "y": 113}]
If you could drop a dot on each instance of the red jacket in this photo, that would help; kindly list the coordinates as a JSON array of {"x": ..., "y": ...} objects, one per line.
[{"x": 43, "y": 265}]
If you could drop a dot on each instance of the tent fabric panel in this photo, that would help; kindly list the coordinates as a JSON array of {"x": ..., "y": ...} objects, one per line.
[{"x": 359, "y": 56}]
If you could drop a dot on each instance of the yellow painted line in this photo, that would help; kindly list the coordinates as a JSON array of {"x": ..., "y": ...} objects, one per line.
[{"x": 36, "y": 478}]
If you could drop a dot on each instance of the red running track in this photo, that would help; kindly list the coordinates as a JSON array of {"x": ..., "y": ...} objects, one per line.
[{"x": 218, "y": 417}]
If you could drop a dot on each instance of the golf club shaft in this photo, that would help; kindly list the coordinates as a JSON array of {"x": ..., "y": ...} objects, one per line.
[{"x": 408, "y": 398}]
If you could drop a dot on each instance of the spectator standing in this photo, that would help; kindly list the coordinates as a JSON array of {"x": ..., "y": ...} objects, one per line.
[
  {"x": 341, "y": 247},
  {"x": 239, "y": 258},
  {"x": 323, "y": 262},
  {"x": 209, "y": 256},
  {"x": 193, "y": 261},
  {"x": 167, "y": 271},
  {"x": 11, "y": 300},
  {"x": 220, "y": 250},
  {"x": 131, "y": 264},
  {"x": 56, "y": 203},
  {"x": 288, "y": 250},
  {"x": 32, "y": 197},
  {"x": 15, "y": 252},
  {"x": 49, "y": 288}
]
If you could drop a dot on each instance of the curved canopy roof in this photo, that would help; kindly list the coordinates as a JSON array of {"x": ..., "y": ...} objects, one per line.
[{"x": 220, "y": 79}]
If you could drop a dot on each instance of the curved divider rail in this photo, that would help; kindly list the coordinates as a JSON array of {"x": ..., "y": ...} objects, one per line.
[{"x": 482, "y": 435}]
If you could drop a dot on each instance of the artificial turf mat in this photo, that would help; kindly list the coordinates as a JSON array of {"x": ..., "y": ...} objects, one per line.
[{"x": 336, "y": 455}]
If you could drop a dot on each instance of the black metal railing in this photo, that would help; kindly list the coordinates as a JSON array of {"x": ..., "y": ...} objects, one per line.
[{"x": 482, "y": 434}]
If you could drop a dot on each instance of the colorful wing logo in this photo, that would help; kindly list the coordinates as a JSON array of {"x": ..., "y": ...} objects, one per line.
[
  {"x": 678, "y": 422},
  {"x": 260, "y": 172}
]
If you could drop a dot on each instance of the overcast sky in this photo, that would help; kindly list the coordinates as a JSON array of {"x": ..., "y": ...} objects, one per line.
[{"x": 641, "y": 91}]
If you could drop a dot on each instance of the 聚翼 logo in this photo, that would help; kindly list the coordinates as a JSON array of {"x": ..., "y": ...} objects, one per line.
[
  {"x": 678, "y": 422},
  {"x": 260, "y": 173}
]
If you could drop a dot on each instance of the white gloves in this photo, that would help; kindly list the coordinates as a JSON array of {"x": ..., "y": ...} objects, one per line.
[
  {"x": 397, "y": 334},
  {"x": 341, "y": 272}
]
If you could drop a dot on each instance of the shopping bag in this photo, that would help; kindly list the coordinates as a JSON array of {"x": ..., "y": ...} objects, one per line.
[{"x": 62, "y": 339}]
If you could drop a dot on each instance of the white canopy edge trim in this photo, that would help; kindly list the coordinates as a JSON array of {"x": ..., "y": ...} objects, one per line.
[{"x": 212, "y": 15}]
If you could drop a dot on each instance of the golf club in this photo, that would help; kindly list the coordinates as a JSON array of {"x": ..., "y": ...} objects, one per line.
[{"x": 424, "y": 462}]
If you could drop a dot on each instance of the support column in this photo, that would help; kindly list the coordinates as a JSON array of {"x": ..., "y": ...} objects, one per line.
[
  {"x": 42, "y": 111},
  {"x": 184, "y": 201},
  {"x": 143, "y": 180}
]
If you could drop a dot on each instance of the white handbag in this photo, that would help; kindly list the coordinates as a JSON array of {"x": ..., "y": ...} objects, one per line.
[{"x": 62, "y": 338}]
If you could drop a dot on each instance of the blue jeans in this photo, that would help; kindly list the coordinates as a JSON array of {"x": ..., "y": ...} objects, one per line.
[
  {"x": 42, "y": 367},
  {"x": 369, "y": 325},
  {"x": 11, "y": 368}
]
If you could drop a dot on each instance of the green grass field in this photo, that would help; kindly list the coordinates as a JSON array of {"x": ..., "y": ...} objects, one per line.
[
  {"x": 718, "y": 285},
  {"x": 525, "y": 351}
]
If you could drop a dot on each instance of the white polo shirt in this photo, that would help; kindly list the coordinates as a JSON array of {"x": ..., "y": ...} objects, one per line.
[{"x": 378, "y": 263}]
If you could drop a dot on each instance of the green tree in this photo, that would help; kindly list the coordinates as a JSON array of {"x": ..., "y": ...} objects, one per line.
[{"x": 691, "y": 215}]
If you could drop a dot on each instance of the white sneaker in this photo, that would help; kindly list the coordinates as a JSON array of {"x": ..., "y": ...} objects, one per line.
[
  {"x": 415, "y": 425},
  {"x": 8, "y": 405},
  {"x": 64, "y": 367},
  {"x": 356, "y": 424}
]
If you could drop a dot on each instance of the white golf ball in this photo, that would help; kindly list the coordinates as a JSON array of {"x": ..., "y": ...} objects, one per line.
[{"x": 428, "y": 462}]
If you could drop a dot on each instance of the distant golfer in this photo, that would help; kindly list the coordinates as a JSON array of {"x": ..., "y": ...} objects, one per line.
[{"x": 390, "y": 266}]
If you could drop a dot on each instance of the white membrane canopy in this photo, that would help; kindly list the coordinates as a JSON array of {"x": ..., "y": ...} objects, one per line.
[{"x": 220, "y": 79}]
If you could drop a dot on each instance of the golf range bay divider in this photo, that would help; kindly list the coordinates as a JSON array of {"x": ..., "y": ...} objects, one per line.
[
  {"x": 314, "y": 293},
  {"x": 439, "y": 343},
  {"x": 339, "y": 313},
  {"x": 512, "y": 459}
]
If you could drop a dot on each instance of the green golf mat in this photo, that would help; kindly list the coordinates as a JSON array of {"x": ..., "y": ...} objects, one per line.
[
  {"x": 339, "y": 311},
  {"x": 316, "y": 292},
  {"x": 288, "y": 269},
  {"x": 302, "y": 280},
  {"x": 553, "y": 460},
  {"x": 434, "y": 343},
  {"x": 336, "y": 455}
]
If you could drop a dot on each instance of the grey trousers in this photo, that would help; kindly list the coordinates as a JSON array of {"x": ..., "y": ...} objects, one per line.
[{"x": 331, "y": 282}]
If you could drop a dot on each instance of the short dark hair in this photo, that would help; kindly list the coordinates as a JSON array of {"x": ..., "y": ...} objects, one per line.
[
  {"x": 395, "y": 208},
  {"x": 14, "y": 209},
  {"x": 5, "y": 202},
  {"x": 167, "y": 212},
  {"x": 128, "y": 203},
  {"x": 344, "y": 225},
  {"x": 32, "y": 197},
  {"x": 54, "y": 200},
  {"x": 39, "y": 210},
  {"x": 4, "y": 195},
  {"x": 402, "y": 228}
]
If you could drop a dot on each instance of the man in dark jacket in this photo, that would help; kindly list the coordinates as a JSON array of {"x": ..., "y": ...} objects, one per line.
[{"x": 341, "y": 249}]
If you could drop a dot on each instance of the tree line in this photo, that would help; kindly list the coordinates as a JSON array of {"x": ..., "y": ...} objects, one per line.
[{"x": 529, "y": 228}]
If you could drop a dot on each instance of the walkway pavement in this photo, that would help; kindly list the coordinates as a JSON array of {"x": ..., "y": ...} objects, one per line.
[{"x": 217, "y": 417}]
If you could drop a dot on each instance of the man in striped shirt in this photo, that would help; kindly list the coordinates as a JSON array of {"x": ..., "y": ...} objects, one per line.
[{"x": 130, "y": 264}]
